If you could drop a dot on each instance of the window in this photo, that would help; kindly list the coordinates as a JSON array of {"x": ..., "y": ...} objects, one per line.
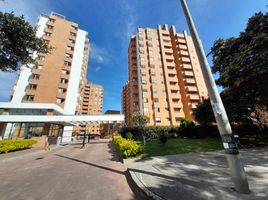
[
  {"x": 168, "y": 119},
  {"x": 152, "y": 73},
  {"x": 141, "y": 59},
  {"x": 66, "y": 63},
  {"x": 36, "y": 76},
  {"x": 73, "y": 28},
  {"x": 177, "y": 109},
  {"x": 141, "y": 45},
  {"x": 61, "y": 90},
  {"x": 144, "y": 90},
  {"x": 152, "y": 66},
  {"x": 151, "y": 59},
  {"x": 39, "y": 67},
  {"x": 178, "y": 119},
  {"x": 65, "y": 72},
  {"x": 156, "y": 100},
  {"x": 64, "y": 81},
  {"x": 151, "y": 52},
  {"x": 71, "y": 41},
  {"x": 72, "y": 34},
  {"x": 59, "y": 100},
  {"x": 154, "y": 82},
  {"x": 32, "y": 86},
  {"x": 69, "y": 48},
  {"x": 143, "y": 73},
  {"x": 142, "y": 66},
  {"x": 146, "y": 110},
  {"x": 150, "y": 45},
  {"x": 157, "y": 119},
  {"x": 68, "y": 55},
  {"x": 50, "y": 27},
  {"x": 154, "y": 91},
  {"x": 41, "y": 58},
  {"x": 52, "y": 20},
  {"x": 29, "y": 97},
  {"x": 156, "y": 109},
  {"x": 141, "y": 51},
  {"x": 145, "y": 100},
  {"x": 149, "y": 38},
  {"x": 144, "y": 82},
  {"x": 48, "y": 34},
  {"x": 164, "y": 91},
  {"x": 140, "y": 39}
]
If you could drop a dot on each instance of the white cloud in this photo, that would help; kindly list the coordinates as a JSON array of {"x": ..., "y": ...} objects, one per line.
[
  {"x": 98, "y": 68},
  {"x": 98, "y": 54},
  {"x": 6, "y": 84},
  {"x": 31, "y": 9}
]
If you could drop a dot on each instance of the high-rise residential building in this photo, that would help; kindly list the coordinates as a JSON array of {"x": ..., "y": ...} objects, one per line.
[
  {"x": 92, "y": 101},
  {"x": 59, "y": 76},
  {"x": 165, "y": 79},
  {"x": 108, "y": 129}
]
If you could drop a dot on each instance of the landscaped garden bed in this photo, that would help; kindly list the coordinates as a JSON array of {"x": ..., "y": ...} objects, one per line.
[{"x": 15, "y": 145}]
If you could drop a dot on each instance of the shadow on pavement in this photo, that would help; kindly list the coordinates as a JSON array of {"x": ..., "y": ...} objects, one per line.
[{"x": 91, "y": 164}]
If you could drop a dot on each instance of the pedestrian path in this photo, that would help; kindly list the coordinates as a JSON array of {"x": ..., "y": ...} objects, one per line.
[
  {"x": 67, "y": 173},
  {"x": 202, "y": 176}
]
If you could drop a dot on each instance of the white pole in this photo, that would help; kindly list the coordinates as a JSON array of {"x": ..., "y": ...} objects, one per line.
[{"x": 237, "y": 169}]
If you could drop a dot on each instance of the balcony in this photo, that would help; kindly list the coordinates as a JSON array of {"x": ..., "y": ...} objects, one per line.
[
  {"x": 50, "y": 23},
  {"x": 68, "y": 59},
  {"x": 61, "y": 95},
  {"x": 72, "y": 37},
  {"x": 48, "y": 30},
  {"x": 188, "y": 73},
  {"x": 181, "y": 46},
  {"x": 191, "y": 89},
  {"x": 70, "y": 44},
  {"x": 63, "y": 85},
  {"x": 186, "y": 66},
  {"x": 190, "y": 80},
  {"x": 184, "y": 53},
  {"x": 69, "y": 51},
  {"x": 65, "y": 76},
  {"x": 185, "y": 59},
  {"x": 193, "y": 96},
  {"x": 30, "y": 92}
]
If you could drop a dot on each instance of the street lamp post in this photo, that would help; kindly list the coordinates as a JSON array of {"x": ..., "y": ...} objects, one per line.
[{"x": 237, "y": 169}]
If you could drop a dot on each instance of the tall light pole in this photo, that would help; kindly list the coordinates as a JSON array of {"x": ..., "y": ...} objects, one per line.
[{"x": 237, "y": 169}]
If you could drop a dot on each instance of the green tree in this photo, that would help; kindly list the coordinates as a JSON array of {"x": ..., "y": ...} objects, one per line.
[
  {"x": 242, "y": 65},
  {"x": 140, "y": 120},
  {"x": 17, "y": 42}
]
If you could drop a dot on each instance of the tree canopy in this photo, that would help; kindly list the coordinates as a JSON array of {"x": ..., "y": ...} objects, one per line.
[
  {"x": 242, "y": 65},
  {"x": 17, "y": 42},
  {"x": 140, "y": 120}
]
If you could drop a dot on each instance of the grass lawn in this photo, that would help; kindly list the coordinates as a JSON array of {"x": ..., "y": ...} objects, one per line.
[{"x": 179, "y": 146}]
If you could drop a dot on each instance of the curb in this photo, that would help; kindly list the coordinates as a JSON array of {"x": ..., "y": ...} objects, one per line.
[{"x": 139, "y": 188}]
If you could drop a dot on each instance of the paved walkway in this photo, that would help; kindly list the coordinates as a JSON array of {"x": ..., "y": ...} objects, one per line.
[
  {"x": 199, "y": 176},
  {"x": 68, "y": 173}
]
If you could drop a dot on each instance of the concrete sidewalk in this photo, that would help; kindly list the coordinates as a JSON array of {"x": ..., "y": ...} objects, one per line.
[{"x": 202, "y": 176}]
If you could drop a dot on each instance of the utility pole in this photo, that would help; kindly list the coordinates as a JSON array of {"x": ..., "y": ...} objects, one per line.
[{"x": 237, "y": 169}]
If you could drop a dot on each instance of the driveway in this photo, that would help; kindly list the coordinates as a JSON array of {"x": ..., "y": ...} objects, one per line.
[{"x": 66, "y": 173}]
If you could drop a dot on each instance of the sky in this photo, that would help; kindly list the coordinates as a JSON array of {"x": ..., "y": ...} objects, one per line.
[{"x": 110, "y": 23}]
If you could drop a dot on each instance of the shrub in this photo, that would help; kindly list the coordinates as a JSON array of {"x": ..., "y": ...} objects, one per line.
[
  {"x": 187, "y": 128},
  {"x": 15, "y": 145},
  {"x": 127, "y": 148},
  {"x": 129, "y": 135}
]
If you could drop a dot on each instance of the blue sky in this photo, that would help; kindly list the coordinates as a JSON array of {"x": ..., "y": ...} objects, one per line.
[{"x": 111, "y": 22}]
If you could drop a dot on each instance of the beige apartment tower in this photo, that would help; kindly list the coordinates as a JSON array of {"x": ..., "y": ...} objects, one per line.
[
  {"x": 165, "y": 79},
  {"x": 92, "y": 102},
  {"x": 58, "y": 77}
]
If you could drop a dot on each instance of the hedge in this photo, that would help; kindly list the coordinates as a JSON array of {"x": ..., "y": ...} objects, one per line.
[
  {"x": 15, "y": 145},
  {"x": 187, "y": 130},
  {"x": 127, "y": 148}
]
